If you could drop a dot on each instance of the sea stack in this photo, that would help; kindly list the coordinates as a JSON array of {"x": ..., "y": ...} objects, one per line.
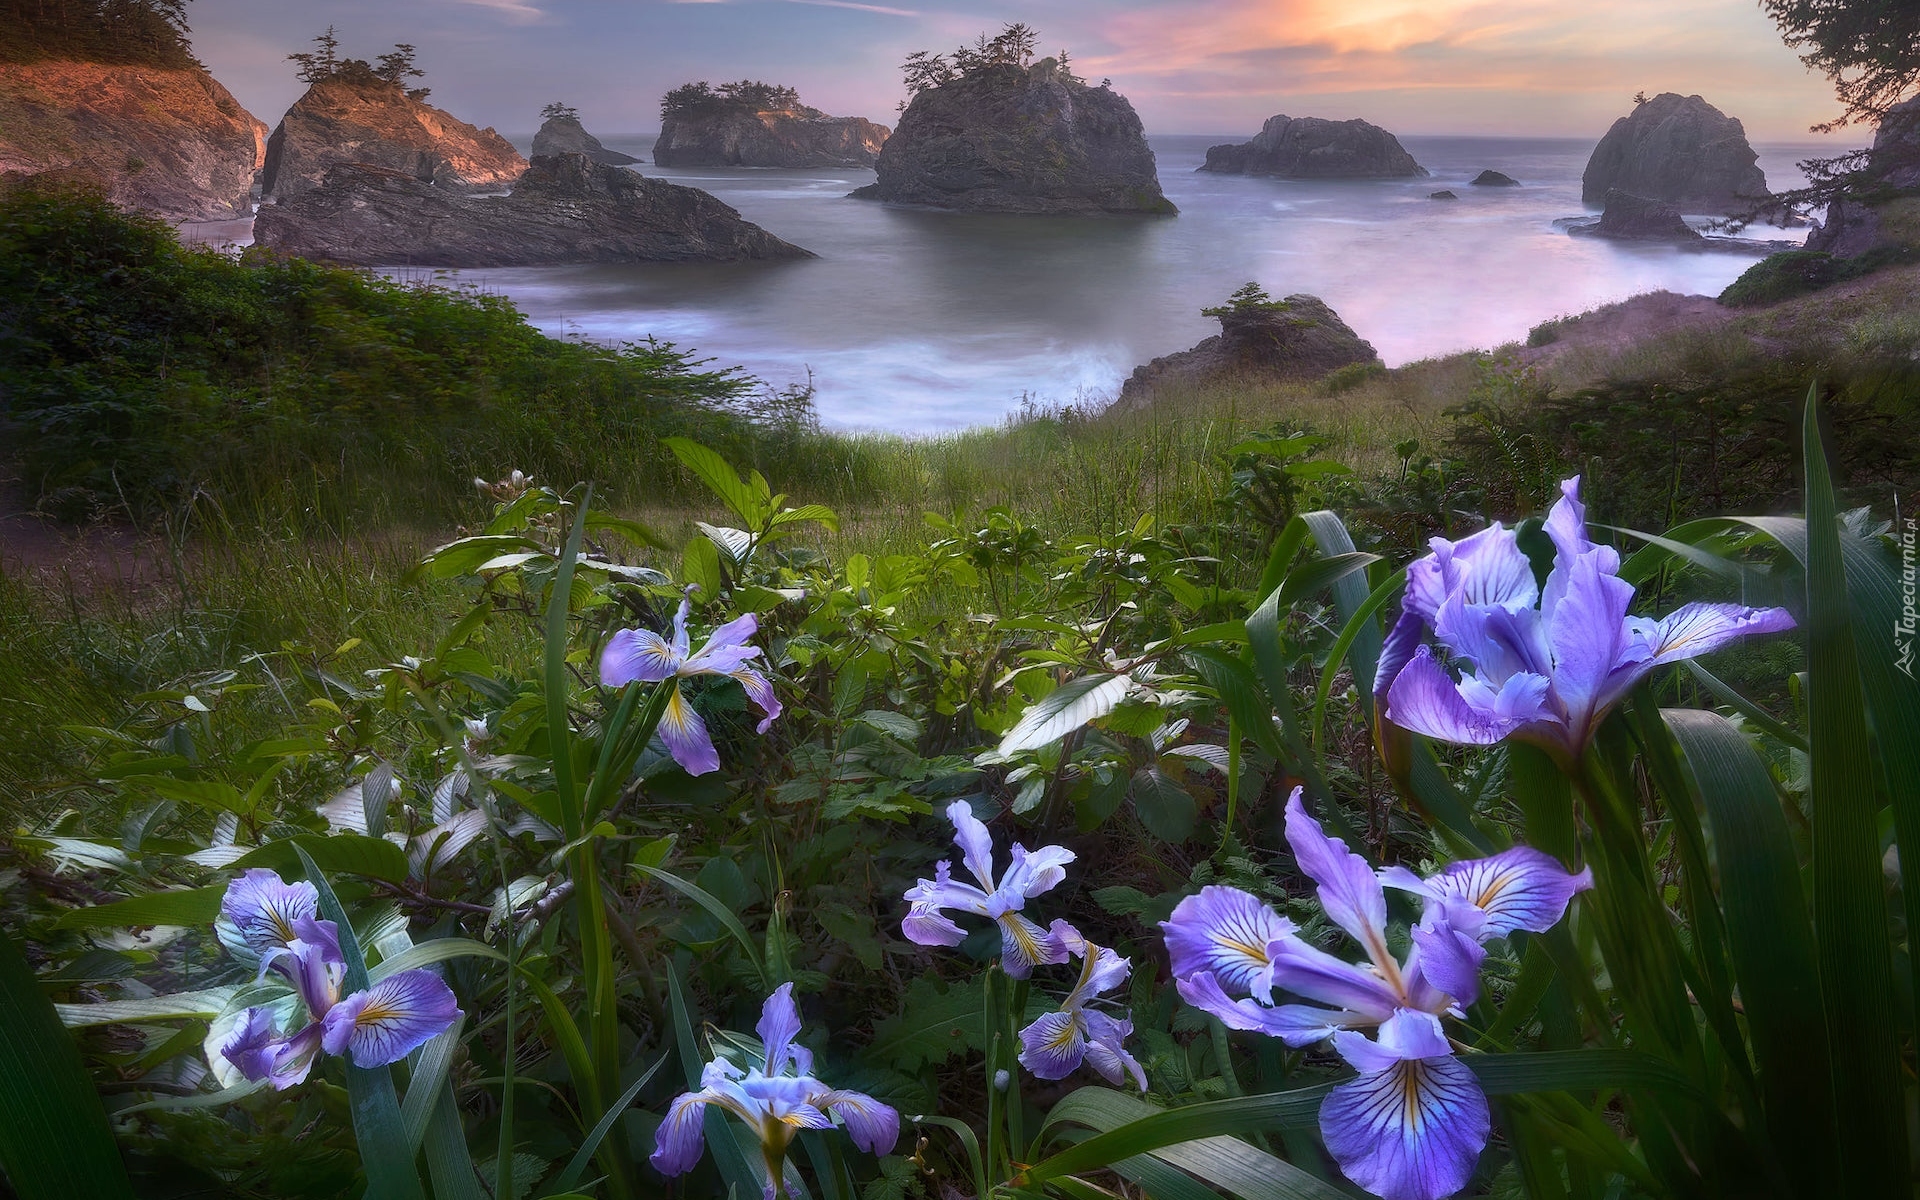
[
  {"x": 1853, "y": 227},
  {"x": 562, "y": 133},
  {"x": 1679, "y": 149},
  {"x": 1007, "y": 138},
  {"x": 1314, "y": 148},
  {"x": 166, "y": 140},
  {"x": 565, "y": 209},
  {"x": 750, "y": 124},
  {"x": 1261, "y": 340},
  {"x": 353, "y": 120}
]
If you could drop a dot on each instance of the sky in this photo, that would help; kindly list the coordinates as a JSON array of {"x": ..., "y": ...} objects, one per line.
[{"x": 1563, "y": 68}]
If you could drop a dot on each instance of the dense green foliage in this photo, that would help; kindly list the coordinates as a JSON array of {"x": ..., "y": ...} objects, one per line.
[
  {"x": 135, "y": 372},
  {"x": 394, "y": 67},
  {"x": 1797, "y": 272},
  {"x": 150, "y": 33},
  {"x": 701, "y": 99}
]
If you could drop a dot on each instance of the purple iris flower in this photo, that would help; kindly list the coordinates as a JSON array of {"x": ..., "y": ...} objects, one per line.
[
  {"x": 643, "y": 656},
  {"x": 375, "y": 1027},
  {"x": 1412, "y": 1125},
  {"x": 1540, "y": 665},
  {"x": 776, "y": 1100},
  {"x": 1023, "y": 944},
  {"x": 1055, "y": 1045}
]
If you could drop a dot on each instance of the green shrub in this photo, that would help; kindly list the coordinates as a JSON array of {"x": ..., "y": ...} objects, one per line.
[{"x": 1793, "y": 273}]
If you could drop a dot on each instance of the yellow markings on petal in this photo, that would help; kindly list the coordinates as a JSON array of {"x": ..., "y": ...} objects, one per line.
[
  {"x": 1063, "y": 1040},
  {"x": 1257, "y": 953},
  {"x": 1410, "y": 1096},
  {"x": 1494, "y": 886}
]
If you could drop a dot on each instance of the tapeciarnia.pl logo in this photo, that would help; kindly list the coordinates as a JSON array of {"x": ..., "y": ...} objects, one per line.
[{"x": 1905, "y": 629}]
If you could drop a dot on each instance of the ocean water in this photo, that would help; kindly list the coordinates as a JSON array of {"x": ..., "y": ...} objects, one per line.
[{"x": 918, "y": 321}]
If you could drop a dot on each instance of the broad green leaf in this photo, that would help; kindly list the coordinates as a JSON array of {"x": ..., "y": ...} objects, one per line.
[
  {"x": 1163, "y": 806},
  {"x": 427, "y": 954},
  {"x": 55, "y": 1143},
  {"x": 352, "y": 853},
  {"x": 183, "y": 906},
  {"x": 208, "y": 1003},
  {"x": 700, "y": 566},
  {"x": 1849, "y": 906},
  {"x": 715, "y": 472},
  {"x": 720, "y": 911},
  {"x": 1770, "y": 936},
  {"x": 1065, "y": 709}
]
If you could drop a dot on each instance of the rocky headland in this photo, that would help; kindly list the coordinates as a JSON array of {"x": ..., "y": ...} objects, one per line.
[
  {"x": 169, "y": 141},
  {"x": 1012, "y": 139},
  {"x": 1260, "y": 340},
  {"x": 1679, "y": 149},
  {"x": 1315, "y": 148},
  {"x": 564, "y": 209},
  {"x": 761, "y": 127},
  {"x": 562, "y": 133},
  {"x": 377, "y": 123},
  {"x": 1852, "y": 228}
]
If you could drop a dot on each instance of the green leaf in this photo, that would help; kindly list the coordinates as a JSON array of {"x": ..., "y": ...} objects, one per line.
[
  {"x": 700, "y": 566},
  {"x": 1065, "y": 709},
  {"x": 577, "y": 1165},
  {"x": 378, "y": 1127},
  {"x": 720, "y": 911},
  {"x": 55, "y": 1143},
  {"x": 1856, "y": 967},
  {"x": 934, "y": 1023},
  {"x": 427, "y": 954},
  {"x": 808, "y": 512},
  {"x": 352, "y": 853},
  {"x": 1163, "y": 806},
  {"x": 1770, "y": 936},
  {"x": 183, "y": 906},
  {"x": 208, "y": 1004},
  {"x": 714, "y": 471}
]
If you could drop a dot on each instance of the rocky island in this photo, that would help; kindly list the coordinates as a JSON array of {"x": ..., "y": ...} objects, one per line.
[
  {"x": 1631, "y": 218},
  {"x": 1679, "y": 149},
  {"x": 566, "y": 208},
  {"x": 1261, "y": 339},
  {"x": 990, "y": 130},
  {"x": 1315, "y": 148},
  {"x": 754, "y": 124},
  {"x": 562, "y": 133},
  {"x": 356, "y": 113}
]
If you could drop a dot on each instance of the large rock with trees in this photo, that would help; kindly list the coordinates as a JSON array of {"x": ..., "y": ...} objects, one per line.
[
  {"x": 356, "y": 112},
  {"x": 562, "y": 133},
  {"x": 1261, "y": 340},
  {"x": 109, "y": 90},
  {"x": 991, "y": 130},
  {"x": 1679, "y": 149},
  {"x": 754, "y": 124},
  {"x": 565, "y": 209},
  {"x": 1316, "y": 148}
]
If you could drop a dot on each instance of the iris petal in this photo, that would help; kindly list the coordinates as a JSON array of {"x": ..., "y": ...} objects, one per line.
[
  {"x": 1520, "y": 888},
  {"x": 1225, "y": 932},
  {"x": 1053, "y": 1046},
  {"x": 1426, "y": 700},
  {"x": 263, "y": 908},
  {"x": 391, "y": 1019},
  {"x": 1107, "y": 1055},
  {"x": 1349, "y": 891},
  {"x": 1024, "y": 946},
  {"x": 1410, "y": 1132},
  {"x": 1693, "y": 629},
  {"x": 1316, "y": 975},
  {"x": 976, "y": 844},
  {"x": 636, "y": 656},
  {"x": 678, "y": 1142},
  {"x": 1588, "y": 633},
  {"x": 779, "y": 1022},
  {"x": 686, "y": 736},
  {"x": 1296, "y": 1024},
  {"x": 873, "y": 1126}
]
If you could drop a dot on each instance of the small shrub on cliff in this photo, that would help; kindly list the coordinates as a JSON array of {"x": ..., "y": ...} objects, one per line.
[
  {"x": 394, "y": 67},
  {"x": 1013, "y": 46},
  {"x": 1796, "y": 272}
]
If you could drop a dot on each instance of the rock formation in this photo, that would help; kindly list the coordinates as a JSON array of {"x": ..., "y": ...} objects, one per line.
[
  {"x": 1679, "y": 149},
  {"x": 564, "y": 134},
  {"x": 1494, "y": 179},
  {"x": 565, "y": 209},
  {"x": 1313, "y": 148},
  {"x": 377, "y": 123},
  {"x": 1298, "y": 338},
  {"x": 1640, "y": 219},
  {"x": 1442, "y": 195},
  {"x": 738, "y": 135},
  {"x": 172, "y": 142},
  {"x": 1852, "y": 227},
  {"x": 1012, "y": 139}
]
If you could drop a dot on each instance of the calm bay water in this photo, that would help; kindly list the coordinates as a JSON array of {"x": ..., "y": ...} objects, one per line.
[{"x": 917, "y": 321}]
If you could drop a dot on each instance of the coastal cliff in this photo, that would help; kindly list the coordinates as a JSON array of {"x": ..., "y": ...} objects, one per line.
[
  {"x": 1316, "y": 148},
  {"x": 564, "y": 209},
  {"x": 377, "y": 123},
  {"x": 725, "y": 133},
  {"x": 169, "y": 141},
  {"x": 1013, "y": 139}
]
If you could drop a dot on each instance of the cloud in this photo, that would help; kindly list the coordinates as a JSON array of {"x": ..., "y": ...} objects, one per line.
[
  {"x": 872, "y": 8},
  {"x": 517, "y": 11}
]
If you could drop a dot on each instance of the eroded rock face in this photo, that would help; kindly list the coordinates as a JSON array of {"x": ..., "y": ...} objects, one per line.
[
  {"x": 1315, "y": 148},
  {"x": 377, "y": 123},
  {"x": 1640, "y": 219},
  {"x": 1298, "y": 338},
  {"x": 565, "y": 209},
  {"x": 731, "y": 136},
  {"x": 1020, "y": 140},
  {"x": 170, "y": 142},
  {"x": 565, "y": 135},
  {"x": 1852, "y": 228},
  {"x": 1679, "y": 149}
]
